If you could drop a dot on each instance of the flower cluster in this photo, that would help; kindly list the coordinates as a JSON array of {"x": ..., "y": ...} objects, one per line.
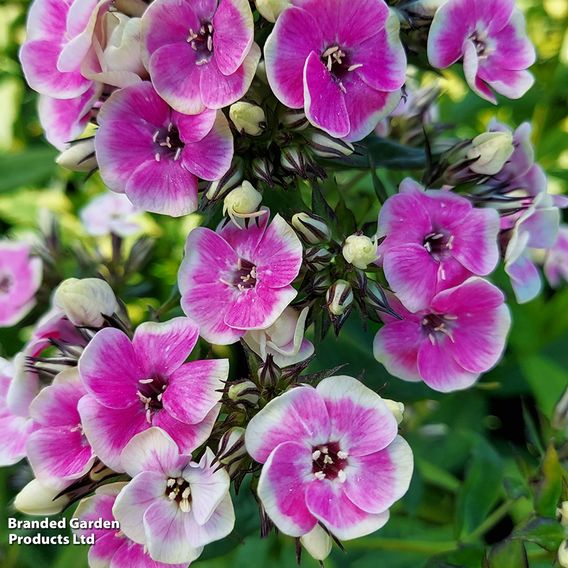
[{"x": 206, "y": 108}]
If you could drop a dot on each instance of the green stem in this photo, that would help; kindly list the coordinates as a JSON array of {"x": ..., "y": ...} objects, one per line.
[
  {"x": 489, "y": 522},
  {"x": 421, "y": 547}
]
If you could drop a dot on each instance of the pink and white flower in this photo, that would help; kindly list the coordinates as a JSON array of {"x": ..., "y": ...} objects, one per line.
[
  {"x": 136, "y": 384},
  {"x": 112, "y": 547},
  {"x": 331, "y": 455},
  {"x": 59, "y": 35},
  {"x": 435, "y": 240},
  {"x": 341, "y": 60},
  {"x": 154, "y": 154},
  {"x": 245, "y": 274},
  {"x": 200, "y": 54},
  {"x": 460, "y": 335},
  {"x": 110, "y": 213},
  {"x": 490, "y": 37},
  {"x": 20, "y": 278},
  {"x": 173, "y": 506},
  {"x": 15, "y": 430},
  {"x": 556, "y": 263},
  {"x": 284, "y": 340},
  {"x": 58, "y": 450}
]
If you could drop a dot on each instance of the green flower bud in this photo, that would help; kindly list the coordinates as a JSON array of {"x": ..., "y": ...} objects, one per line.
[
  {"x": 360, "y": 251},
  {"x": 312, "y": 228},
  {"x": 339, "y": 297},
  {"x": 218, "y": 189},
  {"x": 326, "y": 146},
  {"x": 248, "y": 118},
  {"x": 37, "y": 499},
  {"x": 271, "y": 9},
  {"x": 490, "y": 150},
  {"x": 80, "y": 156}
]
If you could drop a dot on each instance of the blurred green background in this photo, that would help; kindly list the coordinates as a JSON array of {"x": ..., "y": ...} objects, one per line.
[{"x": 486, "y": 464}]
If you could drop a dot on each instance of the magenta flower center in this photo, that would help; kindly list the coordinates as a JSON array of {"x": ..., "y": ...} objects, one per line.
[
  {"x": 6, "y": 282},
  {"x": 439, "y": 244},
  {"x": 178, "y": 490},
  {"x": 480, "y": 39},
  {"x": 245, "y": 276},
  {"x": 150, "y": 392},
  {"x": 338, "y": 63},
  {"x": 202, "y": 43},
  {"x": 328, "y": 462},
  {"x": 167, "y": 143},
  {"x": 436, "y": 325}
]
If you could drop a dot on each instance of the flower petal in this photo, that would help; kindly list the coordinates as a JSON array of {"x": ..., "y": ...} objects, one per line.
[{"x": 219, "y": 525}]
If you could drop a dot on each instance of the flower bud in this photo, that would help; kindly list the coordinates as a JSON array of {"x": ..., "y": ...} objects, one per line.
[
  {"x": 360, "y": 251},
  {"x": 563, "y": 554},
  {"x": 80, "y": 156},
  {"x": 318, "y": 543},
  {"x": 339, "y": 297},
  {"x": 85, "y": 301},
  {"x": 490, "y": 150},
  {"x": 242, "y": 202},
  {"x": 426, "y": 8},
  {"x": 244, "y": 392},
  {"x": 326, "y": 146},
  {"x": 560, "y": 420},
  {"x": 263, "y": 169},
  {"x": 292, "y": 160},
  {"x": 37, "y": 499},
  {"x": 232, "y": 449},
  {"x": 248, "y": 118},
  {"x": 294, "y": 119},
  {"x": 218, "y": 189},
  {"x": 317, "y": 258},
  {"x": 321, "y": 283},
  {"x": 311, "y": 228},
  {"x": 271, "y": 9},
  {"x": 563, "y": 513},
  {"x": 396, "y": 408}
]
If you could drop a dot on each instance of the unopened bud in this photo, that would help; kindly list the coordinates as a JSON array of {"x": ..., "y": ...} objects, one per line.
[
  {"x": 232, "y": 448},
  {"x": 263, "y": 169},
  {"x": 292, "y": 160},
  {"x": 317, "y": 258},
  {"x": 360, "y": 251},
  {"x": 562, "y": 512},
  {"x": 85, "y": 301},
  {"x": 396, "y": 408},
  {"x": 339, "y": 297},
  {"x": 317, "y": 543},
  {"x": 326, "y": 146},
  {"x": 490, "y": 150},
  {"x": 271, "y": 9},
  {"x": 37, "y": 499},
  {"x": 218, "y": 189},
  {"x": 80, "y": 156},
  {"x": 312, "y": 228},
  {"x": 294, "y": 119},
  {"x": 563, "y": 554},
  {"x": 242, "y": 202},
  {"x": 560, "y": 420},
  {"x": 321, "y": 283},
  {"x": 248, "y": 118},
  {"x": 426, "y": 8},
  {"x": 244, "y": 392}
]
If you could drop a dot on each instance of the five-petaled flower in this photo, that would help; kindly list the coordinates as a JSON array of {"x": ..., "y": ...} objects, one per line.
[
  {"x": 342, "y": 60},
  {"x": 136, "y": 384},
  {"x": 173, "y": 506},
  {"x": 331, "y": 455},
  {"x": 434, "y": 240},
  {"x": 154, "y": 154},
  {"x": 236, "y": 279},
  {"x": 491, "y": 38},
  {"x": 460, "y": 335},
  {"x": 200, "y": 54}
]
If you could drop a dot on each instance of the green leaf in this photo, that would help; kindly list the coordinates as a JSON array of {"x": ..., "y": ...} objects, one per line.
[
  {"x": 481, "y": 489},
  {"x": 508, "y": 554},
  {"x": 468, "y": 557},
  {"x": 28, "y": 168},
  {"x": 346, "y": 223},
  {"x": 549, "y": 490},
  {"x": 547, "y": 533}
]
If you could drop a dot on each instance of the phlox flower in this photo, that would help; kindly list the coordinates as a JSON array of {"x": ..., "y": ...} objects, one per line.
[
  {"x": 235, "y": 280},
  {"x": 331, "y": 455},
  {"x": 556, "y": 262},
  {"x": 341, "y": 60},
  {"x": 59, "y": 37},
  {"x": 200, "y": 54},
  {"x": 490, "y": 37},
  {"x": 154, "y": 154},
  {"x": 460, "y": 335},
  {"x": 20, "y": 278},
  {"x": 435, "y": 239},
  {"x": 15, "y": 430},
  {"x": 58, "y": 450},
  {"x": 173, "y": 506},
  {"x": 284, "y": 339},
  {"x": 112, "y": 547},
  {"x": 136, "y": 384},
  {"x": 110, "y": 213}
]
